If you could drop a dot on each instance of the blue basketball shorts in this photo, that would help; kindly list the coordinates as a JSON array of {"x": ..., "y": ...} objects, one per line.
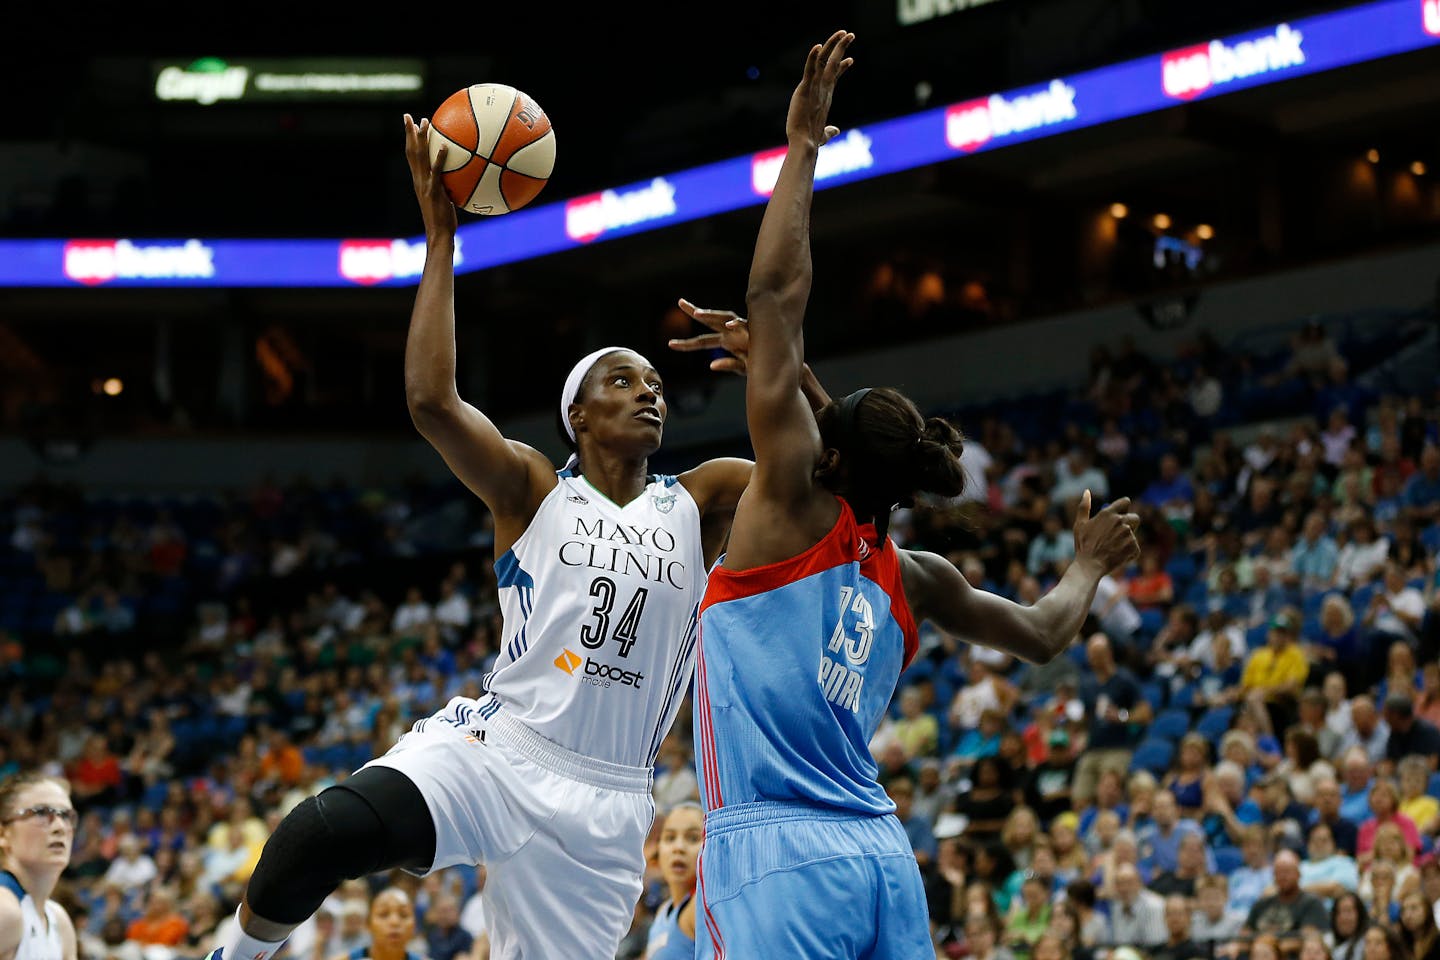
[{"x": 783, "y": 880}]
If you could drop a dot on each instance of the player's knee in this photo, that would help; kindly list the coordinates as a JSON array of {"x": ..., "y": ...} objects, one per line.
[{"x": 323, "y": 841}]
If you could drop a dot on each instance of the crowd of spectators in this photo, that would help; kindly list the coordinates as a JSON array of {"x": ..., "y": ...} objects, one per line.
[{"x": 1236, "y": 758}]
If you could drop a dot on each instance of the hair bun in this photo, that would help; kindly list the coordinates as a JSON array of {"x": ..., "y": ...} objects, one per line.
[{"x": 936, "y": 458}]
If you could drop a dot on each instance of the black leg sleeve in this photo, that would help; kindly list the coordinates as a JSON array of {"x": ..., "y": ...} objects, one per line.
[{"x": 374, "y": 821}]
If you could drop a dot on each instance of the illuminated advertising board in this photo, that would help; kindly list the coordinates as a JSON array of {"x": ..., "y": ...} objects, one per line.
[{"x": 1048, "y": 108}]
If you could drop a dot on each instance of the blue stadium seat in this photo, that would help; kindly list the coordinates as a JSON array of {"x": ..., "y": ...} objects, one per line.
[
  {"x": 1154, "y": 695},
  {"x": 1434, "y": 788},
  {"x": 1215, "y": 722},
  {"x": 1255, "y": 636},
  {"x": 1227, "y": 859},
  {"x": 1184, "y": 698},
  {"x": 1170, "y": 725},
  {"x": 1182, "y": 569},
  {"x": 1151, "y": 621},
  {"x": 1154, "y": 755}
]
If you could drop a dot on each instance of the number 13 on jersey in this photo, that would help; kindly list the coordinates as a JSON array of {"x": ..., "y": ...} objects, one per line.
[{"x": 840, "y": 684}]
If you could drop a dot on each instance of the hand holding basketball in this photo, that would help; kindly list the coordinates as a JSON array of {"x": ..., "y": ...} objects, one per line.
[
  {"x": 501, "y": 148},
  {"x": 810, "y": 104},
  {"x": 1109, "y": 536},
  {"x": 435, "y": 206}
]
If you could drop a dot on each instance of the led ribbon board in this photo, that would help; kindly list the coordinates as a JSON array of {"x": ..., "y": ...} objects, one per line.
[{"x": 1055, "y": 106}]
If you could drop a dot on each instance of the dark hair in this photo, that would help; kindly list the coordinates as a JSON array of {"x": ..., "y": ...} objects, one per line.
[
  {"x": 1307, "y": 747},
  {"x": 1362, "y": 916},
  {"x": 888, "y": 451},
  {"x": 1081, "y": 892},
  {"x": 1393, "y": 941}
]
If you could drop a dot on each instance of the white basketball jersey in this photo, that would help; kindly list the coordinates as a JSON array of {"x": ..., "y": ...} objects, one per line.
[
  {"x": 601, "y": 608},
  {"x": 39, "y": 935}
]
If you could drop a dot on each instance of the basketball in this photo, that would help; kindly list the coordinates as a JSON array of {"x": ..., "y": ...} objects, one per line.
[{"x": 502, "y": 148}]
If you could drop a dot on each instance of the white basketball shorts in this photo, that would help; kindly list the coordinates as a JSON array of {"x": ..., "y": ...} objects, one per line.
[{"x": 562, "y": 835}]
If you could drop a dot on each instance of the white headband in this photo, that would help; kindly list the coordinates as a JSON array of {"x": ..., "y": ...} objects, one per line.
[{"x": 572, "y": 385}]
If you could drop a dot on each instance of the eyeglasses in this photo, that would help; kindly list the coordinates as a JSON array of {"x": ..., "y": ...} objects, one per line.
[{"x": 46, "y": 812}]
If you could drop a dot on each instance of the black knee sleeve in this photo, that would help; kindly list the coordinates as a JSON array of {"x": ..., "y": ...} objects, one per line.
[{"x": 374, "y": 821}]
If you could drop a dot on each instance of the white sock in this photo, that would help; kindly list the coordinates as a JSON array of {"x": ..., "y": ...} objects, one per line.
[{"x": 242, "y": 946}]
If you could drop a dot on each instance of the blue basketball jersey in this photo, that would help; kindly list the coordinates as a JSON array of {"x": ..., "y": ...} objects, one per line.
[{"x": 797, "y": 663}]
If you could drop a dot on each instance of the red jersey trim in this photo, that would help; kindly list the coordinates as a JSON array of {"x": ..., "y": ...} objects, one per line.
[
  {"x": 881, "y": 566},
  {"x": 829, "y": 551}
]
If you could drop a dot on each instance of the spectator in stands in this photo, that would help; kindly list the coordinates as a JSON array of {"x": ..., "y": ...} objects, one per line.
[
  {"x": 1409, "y": 735},
  {"x": 1029, "y": 916},
  {"x": 1178, "y": 944},
  {"x": 1214, "y": 920},
  {"x": 1363, "y": 556},
  {"x": 95, "y": 778},
  {"x": 1052, "y": 550},
  {"x": 1327, "y": 810},
  {"x": 1075, "y": 474},
  {"x": 1395, "y": 612},
  {"x": 1275, "y": 674},
  {"x": 411, "y": 615},
  {"x": 1172, "y": 493},
  {"x": 1368, "y": 733},
  {"x": 1333, "y": 642},
  {"x": 1312, "y": 721},
  {"x": 982, "y": 933},
  {"x": 1186, "y": 783},
  {"x": 1137, "y": 916},
  {"x": 989, "y": 801},
  {"x": 133, "y": 868},
  {"x": 160, "y": 924},
  {"x": 1113, "y": 699},
  {"x": 1315, "y": 557},
  {"x": 1348, "y": 922},
  {"x": 1048, "y": 785},
  {"x": 1190, "y": 867},
  {"x": 1422, "y": 490},
  {"x": 1422, "y": 809},
  {"x": 1151, "y": 588},
  {"x": 1228, "y": 812},
  {"x": 1250, "y": 880},
  {"x": 1289, "y": 910},
  {"x": 917, "y": 730},
  {"x": 1160, "y": 839},
  {"x": 922, "y": 839},
  {"x": 444, "y": 937},
  {"x": 1427, "y": 702},
  {"x": 1385, "y": 810},
  {"x": 1384, "y": 943},
  {"x": 1418, "y": 928},
  {"x": 1327, "y": 872}
]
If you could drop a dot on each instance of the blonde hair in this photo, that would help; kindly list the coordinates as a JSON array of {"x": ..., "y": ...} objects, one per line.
[
  {"x": 1387, "y": 831},
  {"x": 1336, "y": 601}
]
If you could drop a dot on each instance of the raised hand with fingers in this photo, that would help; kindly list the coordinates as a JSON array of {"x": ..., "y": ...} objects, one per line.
[
  {"x": 731, "y": 334},
  {"x": 810, "y": 104},
  {"x": 1108, "y": 538},
  {"x": 435, "y": 205}
]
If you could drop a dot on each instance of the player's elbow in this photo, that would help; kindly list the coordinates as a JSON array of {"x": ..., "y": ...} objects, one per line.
[{"x": 776, "y": 291}]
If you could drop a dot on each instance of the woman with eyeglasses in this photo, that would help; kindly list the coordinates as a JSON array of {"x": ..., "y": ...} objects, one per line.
[{"x": 37, "y": 828}]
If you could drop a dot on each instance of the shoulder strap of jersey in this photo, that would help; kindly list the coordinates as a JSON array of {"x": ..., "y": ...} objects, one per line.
[{"x": 8, "y": 881}]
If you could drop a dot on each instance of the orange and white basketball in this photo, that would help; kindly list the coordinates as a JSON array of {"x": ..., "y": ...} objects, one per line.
[{"x": 502, "y": 148}]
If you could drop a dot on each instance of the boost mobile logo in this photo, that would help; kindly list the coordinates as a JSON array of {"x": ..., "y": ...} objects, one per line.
[
  {"x": 567, "y": 661},
  {"x": 1188, "y": 73}
]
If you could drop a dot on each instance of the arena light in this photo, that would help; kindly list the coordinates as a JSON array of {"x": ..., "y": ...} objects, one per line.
[
  {"x": 1417, "y": 168},
  {"x": 1056, "y": 106},
  {"x": 1373, "y": 156},
  {"x": 1162, "y": 221},
  {"x": 1205, "y": 232},
  {"x": 1119, "y": 211},
  {"x": 113, "y": 386}
]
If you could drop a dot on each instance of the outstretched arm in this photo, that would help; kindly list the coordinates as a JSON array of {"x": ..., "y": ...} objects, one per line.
[
  {"x": 782, "y": 427},
  {"x": 510, "y": 477},
  {"x": 937, "y": 591}
]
